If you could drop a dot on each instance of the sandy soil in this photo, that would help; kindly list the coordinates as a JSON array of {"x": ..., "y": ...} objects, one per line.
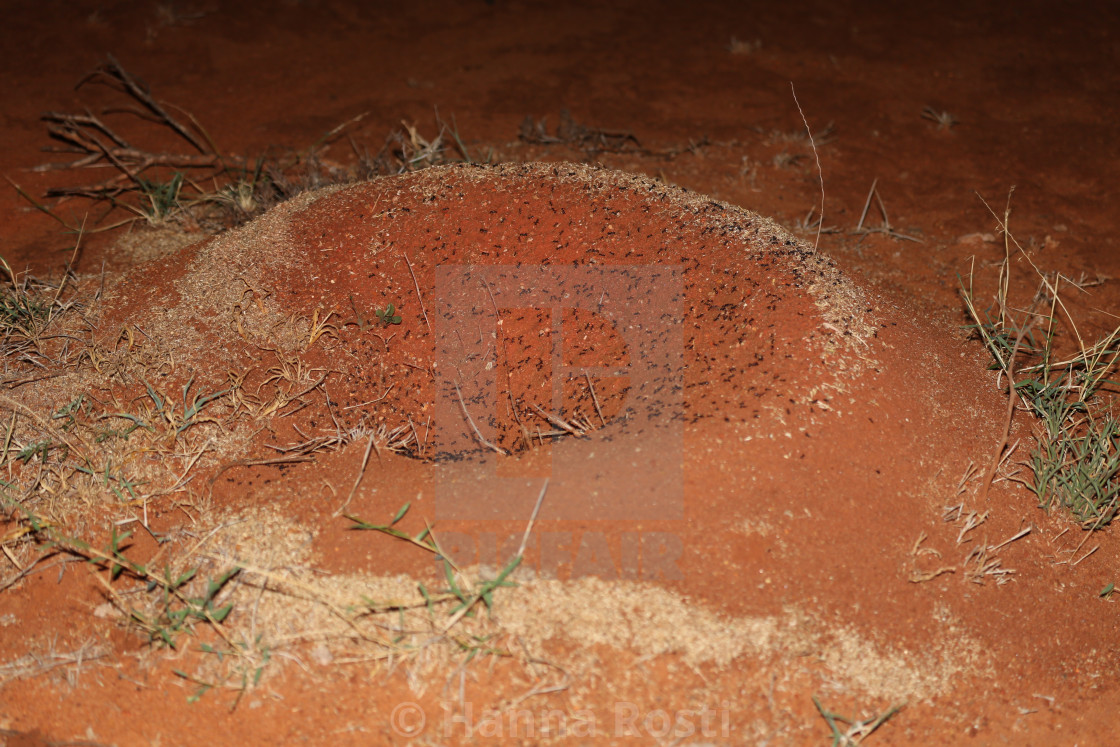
[{"x": 767, "y": 503}]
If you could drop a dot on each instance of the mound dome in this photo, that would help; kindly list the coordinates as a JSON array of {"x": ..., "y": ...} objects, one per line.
[{"x": 645, "y": 329}]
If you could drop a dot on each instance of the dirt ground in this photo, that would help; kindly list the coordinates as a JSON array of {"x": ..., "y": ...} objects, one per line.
[{"x": 764, "y": 505}]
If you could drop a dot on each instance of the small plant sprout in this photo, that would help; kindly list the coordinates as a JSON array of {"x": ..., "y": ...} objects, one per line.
[
  {"x": 245, "y": 188},
  {"x": 388, "y": 315},
  {"x": 943, "y": 119},
  {"x": 162, "y": 197},
  {"x": 189, "y": 414}
]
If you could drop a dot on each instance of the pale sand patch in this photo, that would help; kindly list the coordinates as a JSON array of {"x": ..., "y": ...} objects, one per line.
[{"x": 280, "y": 601}]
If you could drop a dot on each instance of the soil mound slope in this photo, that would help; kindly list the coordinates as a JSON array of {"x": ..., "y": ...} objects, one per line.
[
  {"x": 713, "y": 404},
  {"x": 683, "y": 354},
  {"x": 679, "y": 290}
]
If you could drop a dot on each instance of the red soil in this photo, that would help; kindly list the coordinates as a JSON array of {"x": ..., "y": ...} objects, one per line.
[{"x": 830, "y": 402}]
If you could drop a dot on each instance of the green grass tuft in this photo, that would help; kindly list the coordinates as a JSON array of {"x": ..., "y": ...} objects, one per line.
[{"x": 1076, "y": 458}]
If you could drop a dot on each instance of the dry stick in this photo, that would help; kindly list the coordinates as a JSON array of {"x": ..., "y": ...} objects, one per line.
[
  {"x": 142, "y": 157},
  {"x": 886, "y": 227},
  {"x": 470, "y": 421},
  {"x": 866, "y": 205},
  {"x": 820, "y": 173},
  {"x": 1008, "y": 541},
  {"x": 114, "y": 70},
  {"x": 372, "y": 401},
  {"x": 594, "y": 398},
  {"x": 80, "y": 131},
  {"x": 557, "y": 421},
  {"x": 516, "y": 415},
  {"x": 69, "y": 128},
  {"x": 417, "y": 286},
  {"x": 16, "y": 383},
  {"x": 883, "y": 210},
  {"x": 509, "y": 373},
  {"x": 498, "y": 317},
  {"x": 33, "y": 665},
  {"x": 427, "y": 429},
  {"x": 198, "y": 545},
  {"x": 36, "y": 204},
  {"x": 532, "y": 519},
  {"x": 88, "y": 120},
  {"x": 12, "y": 558},
  {"x": 361, "y": 472},
  {"x": 23, "y": 571},
  {"x": 297, "y": 459},
  {"x": 333, "y": 132},
  {"x": 415, "y": 436},
  {"x": 1086, "y": 554},
  {"x": 538, "y": 690},
  {"x": 112, "y": 157}
]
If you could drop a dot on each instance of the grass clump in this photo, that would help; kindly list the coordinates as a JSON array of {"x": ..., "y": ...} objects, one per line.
[
  {"x": 28, "y": 307},
  {"x": 1076, "y": 459},
  {"x": 175, "y": 605}
]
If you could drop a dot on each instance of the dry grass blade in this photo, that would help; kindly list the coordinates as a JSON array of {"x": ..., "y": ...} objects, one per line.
[
  {"x": 419, "y": 298},
  {"x": 35, "y": 664},
  {"x": 885, "y": 227},
  {"x": 820, "y": 173}
]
